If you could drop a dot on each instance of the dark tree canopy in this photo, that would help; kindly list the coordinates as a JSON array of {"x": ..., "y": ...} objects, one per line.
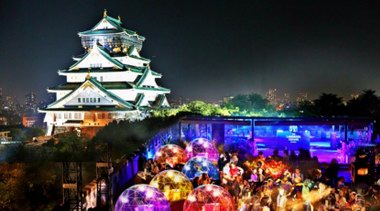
[{"x": 329, "y": 105}]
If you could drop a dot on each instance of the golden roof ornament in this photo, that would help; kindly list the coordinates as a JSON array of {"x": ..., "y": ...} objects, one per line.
[
  {"x": 105, "y": 13},
  {"x": 118, "y": 17},
  {"x": 88, "y": 77}
]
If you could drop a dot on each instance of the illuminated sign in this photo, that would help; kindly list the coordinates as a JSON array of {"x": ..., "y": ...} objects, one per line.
[{"x": 293, "y": 138}]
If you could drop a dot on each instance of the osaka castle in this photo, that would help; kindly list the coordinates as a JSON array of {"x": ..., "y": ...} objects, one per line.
[{"x": 110, "y": 81}]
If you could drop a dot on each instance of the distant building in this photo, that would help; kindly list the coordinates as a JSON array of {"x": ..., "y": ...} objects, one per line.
[
  {"x": 31, "y": 104},
  {"x": 5, "y": 136},
  {"x": 179, "y": 101},
  {"x": 111, "y": 81},
  {"x": 3, "y": 120},
  {"x": 272, "y": 97},
  {"x": 302, "y": 97},
  {"x": 31, "y": 120}
]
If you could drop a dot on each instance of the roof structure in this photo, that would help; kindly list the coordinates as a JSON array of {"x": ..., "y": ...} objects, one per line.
[
  {"x": 110, "y": 25},
  {"x": 141, "y": 101},
  {"x": 134, "y": 53},
  {"x": 93, "y": 84},
  {"x": 101, "y": 56},
  {"x": 106, "y": 85},
  {"x": 147, "y": 78}
]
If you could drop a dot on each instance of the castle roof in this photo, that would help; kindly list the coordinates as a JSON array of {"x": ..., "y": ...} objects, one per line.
[
  {"x": 98, "y": 54},
  {"x": 110, "y": 25},
  {"x": 95, "y": 86}
]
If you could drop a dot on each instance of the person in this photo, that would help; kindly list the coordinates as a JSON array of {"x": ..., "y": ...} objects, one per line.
[
  {"x": 204, "y": 179},
  {"x": 148, "y": 166},
  {"x": 155, "y": 169},
  {"x": 264, "y": 204},
  {"x": 254, "y": 176},
  {"x": 281, "y": 200},
  {"x": 234, "y": 170},
  {"x": 261, "y": 156},
  {"x": 276, "y": 156},
  {"x": 235, "y": 189},
  {"x": 297, "y": 174},
  {"x": 234, "y": 158},
  {"x": 292, "y": 158},
  {"x": 286, "y": 156},
  {"x": 223, "y": 160},
  {"x": 246, "y": 189},
  {"x": 342, "y": 202},
  {"x": 332, "y": 172},
  {"x": 195, "y": 182}
]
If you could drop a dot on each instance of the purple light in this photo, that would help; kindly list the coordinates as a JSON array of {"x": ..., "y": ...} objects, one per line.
[{"x": 142, "y": 197}]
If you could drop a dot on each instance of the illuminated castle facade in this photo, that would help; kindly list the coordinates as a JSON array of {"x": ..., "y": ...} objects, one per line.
[{"x": 110, "y": 81}]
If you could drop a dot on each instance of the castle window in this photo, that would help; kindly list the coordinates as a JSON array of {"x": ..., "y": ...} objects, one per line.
[
  {"x": 78, "y": 100},
  {"x": 77, "y": 115},
  {"x": 96, "y": 65},
  {"x": 98, "y": 99}
]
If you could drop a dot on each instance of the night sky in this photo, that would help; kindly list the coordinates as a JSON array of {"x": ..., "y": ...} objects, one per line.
[{"x": 204, "y": 49}]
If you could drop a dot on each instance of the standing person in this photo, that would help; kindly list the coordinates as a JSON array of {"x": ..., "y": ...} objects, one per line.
[
  {"x": 235, "y": 189},
  {"x": 286, "y": 156},
  {"x": 281, "y": 200},
  {"x": 264, "y": 204},
  {"x": 234, "y": 158},
  {"x": 293, "y": 158},
  {"x": 297, "y": 176},
  {"x": 245, "y": 189},
  {"x": 224, "y": 158},
  {"x": 276, "y": 155},
  {"x": 332, "y": 172},
  {"x": 234, "y": 170}
]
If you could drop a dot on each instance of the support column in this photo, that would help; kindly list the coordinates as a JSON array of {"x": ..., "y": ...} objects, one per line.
[
  {"x": 72, "y": 185},
  {"x": 103, "y": 183}
]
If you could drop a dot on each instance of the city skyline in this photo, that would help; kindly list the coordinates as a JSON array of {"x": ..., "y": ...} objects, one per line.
[{"x": 206, "y": 51}]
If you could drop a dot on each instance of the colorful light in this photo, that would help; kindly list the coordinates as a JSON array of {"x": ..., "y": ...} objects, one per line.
[
  {"x": 203, "y": 148},
  {"x": 275, "y": 168},
  {"x": 198, "y": 165},
  {"x": 142, "y": 197},
  {"x": 171, "y": 154},
  {"x": 174, "y": 184},
  {"x": 209, "y": 197}
]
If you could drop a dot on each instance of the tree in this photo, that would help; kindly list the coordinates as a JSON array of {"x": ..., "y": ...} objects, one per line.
[
  {"x": 306, "y": 108},
  {"x": 366, "y": 105},
  {"x": 250, "y": 105},
  {"x": 195, "y": 107},
  {"x": 328, "y": 105},
  {"x": 70, "y": 147}
]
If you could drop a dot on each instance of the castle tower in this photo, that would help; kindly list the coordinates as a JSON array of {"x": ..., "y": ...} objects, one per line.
[{"x": 110, "y": 81}]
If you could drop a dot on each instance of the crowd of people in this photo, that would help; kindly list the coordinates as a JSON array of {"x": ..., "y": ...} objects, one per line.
[{"x": 288, "y": 182}]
